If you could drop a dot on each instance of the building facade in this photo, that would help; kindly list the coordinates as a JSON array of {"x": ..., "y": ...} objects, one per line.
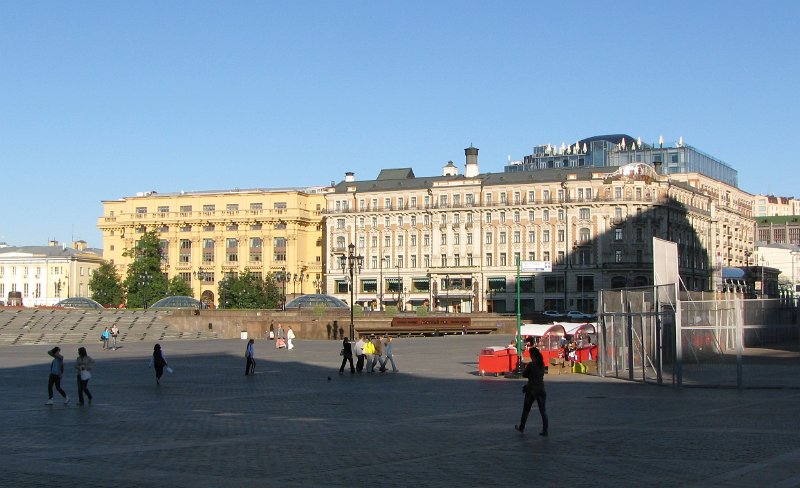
[
  {"x": 453, "y": 241},
  {"x": 772, "y": 206},
  {"x": 45, "y": 275},
  {"x": 207, "y": 236},
  {"x": 621, "y": 149}
]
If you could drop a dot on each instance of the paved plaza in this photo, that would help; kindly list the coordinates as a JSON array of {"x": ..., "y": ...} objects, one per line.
[{"x": 298, "y": 423}]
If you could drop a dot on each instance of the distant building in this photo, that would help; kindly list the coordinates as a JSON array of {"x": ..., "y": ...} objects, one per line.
[
  {"x": 622, "y": 149},
  {"x": 772, "y": 206},
  {"x": 208, "y": 235},
  {"x": 44, "y": 275},
  {"x": 453, "y": 241},
  {"x": 778, "y": 230}
]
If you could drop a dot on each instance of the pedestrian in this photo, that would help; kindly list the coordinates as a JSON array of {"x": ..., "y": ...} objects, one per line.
[
  {"x": 534, "y": 391},
  {"x": 377, "y": 358},
  {"x": 114, "y": 335},
  {"x": 158, "y": 362},
  {"x": 360, "y": 354},
  {"x": 271, "y": 330},
  {"x": 104, "y": 337},
  {"x": 388, "y": 355},
  {"x": 289, "y": 338},
  {"x": 83, "y": 365},
  {"x": 369, "y": 352},
  {"x": 281, "y": 336},
  {"x": 250, "y": 367},
  {"x": 56, "y": 373},
  {"x": 347, "y": 356},
  {"x": 335, "y": 329},
  {"x": 329, "y": 330}
]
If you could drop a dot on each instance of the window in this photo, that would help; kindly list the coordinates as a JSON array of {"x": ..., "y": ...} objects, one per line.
[
  {"x": 531, "y": 215},
  {"x": 502, "y": 238},
  {"x": 256, "y": 206},
  {"x": 502, "y": 216},
  {"x": 387, "y": 241},
  {"x": 469, "y": 198},
  {"x": 443, "y": 201},
  {"x": 488, "y": 238},
  {"x": 618, "y": 193},
  {"x": 443, "y": 240},
  {"x": 489, "y": 259},
  {"x": 386, "y": 222},
  {"x": 413, "y": 220},
  {"x": 374, "y": 241},
  {"x": 488, "y": 217},
  {"x": 503, "y": 198},
  {"x": 457, "y": 238},
  {"x": 400, "y": 240},
  {"x": 400, "y": 262},
  {"x": 426, "y": 239},
  {"x": 163, "y": 209},
  {"x": 456, "y": 200},
  {"x": 141, "y": 210},
  {"x": 444, "y": 218},
  {"x": 561, "y": 235},
  {"x": 546, "y": 215},
  {"x": 531, "y": 196},
  {"x": 469, "y": 237},
  {"x": 560, "y": 215},
  {"x": 208, "y": 208},
  {"x": 618, "y": 234},
  {"x": 444, "y": 259},
  {"x": 585, "y": 214},
  {"x": 585, "y": 235},
  {"x": 469, "y": 259},
  {"x": 469, "y": 218},
  {"x": 400, "y": 202},
  {"x": 517, "y": 237},
  {"x": 426, "y": 261},
  {"x": 413, "y": 240},
  {"x": 282, "y": 205},
  {"x": 413, "y": 260},
  {"x": 426, "y": 220},
  {"x": 545, "y": 236},
  {"x": 232, "y": 207},
  {"x": 503, "y": 259},
  {"x": 531, "y": 236},
  {"x": 488, "y": 199},
  {"x": 413, "y": 202},
  {"x": 456, "y": 260},
  {"x": 400, "y": 221},
  {"x": 186, "y": 208},
  {"x": 516, "y": 216}
]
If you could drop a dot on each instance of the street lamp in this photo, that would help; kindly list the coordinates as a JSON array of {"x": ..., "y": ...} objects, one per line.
[
  {"x": 144, "y": 282},
  {"x": 351, "y": 263},
  {"x": 298, "y": 278},
  {"x": 203, "y": 276},
  {"x": 447, "y": 293},
  {"x": 318, "y": 285},
  {"x": 284, "y": 278}
]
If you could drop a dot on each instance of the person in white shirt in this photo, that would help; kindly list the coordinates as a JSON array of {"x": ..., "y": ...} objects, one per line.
[{"x": 289, "y": 338}]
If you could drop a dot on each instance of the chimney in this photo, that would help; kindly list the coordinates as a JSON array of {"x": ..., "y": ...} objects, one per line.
[
  {"x": 79, "y": 245},
  {"x": 657, "y": 167},
  {"x": 450, "y": 169},
  {"x": 52, "y": 243},
  {"x": 349, "y": 177},
  {"x": 471, "y": 169}
]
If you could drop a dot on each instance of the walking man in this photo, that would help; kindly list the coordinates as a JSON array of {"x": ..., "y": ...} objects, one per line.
[
  {"x": 369, "y": 351},
  {"x": 347, "y": 356},
  {"x": 388, "y": 355},
  {"x": 250, "y": 367},
  {"x": 56, "y": 373},
  {"x": 360, "y": 354},
  {"x": 114, "y": 334}
]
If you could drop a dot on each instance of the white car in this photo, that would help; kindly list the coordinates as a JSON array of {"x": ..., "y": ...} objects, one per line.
[
  {"x": 552, "y": 314},
  {"x": 576, "y": 315}
]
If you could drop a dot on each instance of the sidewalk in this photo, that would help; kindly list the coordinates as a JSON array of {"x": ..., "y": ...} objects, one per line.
[{"x": 435, "y": 423}]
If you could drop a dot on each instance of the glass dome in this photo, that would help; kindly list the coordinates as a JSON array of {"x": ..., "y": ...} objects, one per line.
[
  {"x": 315, "y": 300},
  {"x": 79, "y": 302},
  {"x": 177, "y": 302}
]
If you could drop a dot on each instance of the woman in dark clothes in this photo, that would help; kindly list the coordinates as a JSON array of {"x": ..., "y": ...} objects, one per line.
[
  {"x": 158, "y": 363},
  {"x": 534, "y": 390}
]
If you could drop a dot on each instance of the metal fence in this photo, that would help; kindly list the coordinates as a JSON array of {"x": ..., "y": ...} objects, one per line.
[{"x": 724, "y": 342}]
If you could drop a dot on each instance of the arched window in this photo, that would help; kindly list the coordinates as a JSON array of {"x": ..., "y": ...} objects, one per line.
[
  {"x": 618, "y": 282},
  {"x": 585, "y": 234}
]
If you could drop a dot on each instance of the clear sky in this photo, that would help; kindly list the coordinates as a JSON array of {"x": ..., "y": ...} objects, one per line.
[{"x": 100, "y": 100}]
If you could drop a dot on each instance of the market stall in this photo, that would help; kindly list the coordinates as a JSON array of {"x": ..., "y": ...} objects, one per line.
[{"x": 546, "y": 337}]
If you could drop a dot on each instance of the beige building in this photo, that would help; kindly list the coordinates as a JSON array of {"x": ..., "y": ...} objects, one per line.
[
  {"x": 772, "y": 206},
  {"x": 453, "y": 241},
  {"x": 207, "y": 235},
  {"x": 45, "y": 275}
]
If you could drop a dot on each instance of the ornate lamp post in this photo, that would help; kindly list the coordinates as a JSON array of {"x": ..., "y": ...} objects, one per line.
[
  {"x": 351, "y": 263},
  {"x": 144, "y": 281},
  {"x": 284, "y": 278}
]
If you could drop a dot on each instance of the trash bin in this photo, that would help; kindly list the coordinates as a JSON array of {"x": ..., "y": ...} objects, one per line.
[
  {"x": 497, "y": 360},
  {"x": 244, "y": 335}
]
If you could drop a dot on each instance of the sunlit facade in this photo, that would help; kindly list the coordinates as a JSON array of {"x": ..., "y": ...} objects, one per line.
[
  {"x": 453, "y": 241},
  {"x": 45, "y": 275},
  {"x": 208, "y": 235}
]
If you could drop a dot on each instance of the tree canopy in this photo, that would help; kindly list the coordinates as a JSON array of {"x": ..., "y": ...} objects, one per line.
[
  {"x": 248, "y": 290},
  {"x": 106, "y": 286},
  {"x": 145, "y": 282}
]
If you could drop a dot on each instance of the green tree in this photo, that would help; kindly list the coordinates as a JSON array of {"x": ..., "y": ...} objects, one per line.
[
  {"x": 177, "y": 287},
  {"x": 106, "y": 286},
  {"x": 248, "y": 291},
  {"x": 145, "y": 283}
]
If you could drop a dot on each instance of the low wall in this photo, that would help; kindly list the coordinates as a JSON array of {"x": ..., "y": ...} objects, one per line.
[{"x": 306, "y": 324}]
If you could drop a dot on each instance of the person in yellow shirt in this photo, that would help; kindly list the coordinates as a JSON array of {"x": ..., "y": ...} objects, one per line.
[{"x": 369, "y": 351}]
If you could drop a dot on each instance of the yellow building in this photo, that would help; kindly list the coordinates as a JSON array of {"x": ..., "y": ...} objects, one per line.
[{"x": 207, "y": 235}]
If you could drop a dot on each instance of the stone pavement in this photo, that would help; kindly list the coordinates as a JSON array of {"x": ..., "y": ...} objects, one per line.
[{"x": 435, "y": 423}]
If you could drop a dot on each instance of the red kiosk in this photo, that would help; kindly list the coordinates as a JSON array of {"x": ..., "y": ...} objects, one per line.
[
  {"x": 585, "y": 350},
  {"x": 497, "y": 359},
  {"x": 546, "y": 337}
]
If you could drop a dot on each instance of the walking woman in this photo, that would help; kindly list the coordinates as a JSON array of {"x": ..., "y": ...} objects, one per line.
[
  {"x": 83, "y": 365},
  {"x": 347, "y": 355},
  {"x": 158, "y": 363},
  {"x": 250, "y": 366},
  {"x": 56, "y": 372},
  {"x": 534, "y": 390}
]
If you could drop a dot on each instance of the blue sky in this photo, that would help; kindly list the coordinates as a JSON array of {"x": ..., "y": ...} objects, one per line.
[{"x": 100, "y": 100}]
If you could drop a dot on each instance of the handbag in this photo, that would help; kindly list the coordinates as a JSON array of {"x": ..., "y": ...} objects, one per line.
[{"x": 85, "y": 375}]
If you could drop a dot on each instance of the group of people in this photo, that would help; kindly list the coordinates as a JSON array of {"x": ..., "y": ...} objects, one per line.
[
  {"x": 370, "y": 352},
  {"x": 284, "y": 338},
  {"x": 83, "y": 370},
  {"x": 110, "y": 334}
]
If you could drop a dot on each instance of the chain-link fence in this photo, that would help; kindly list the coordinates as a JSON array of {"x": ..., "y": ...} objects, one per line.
[{"x": 724, "y": 342}]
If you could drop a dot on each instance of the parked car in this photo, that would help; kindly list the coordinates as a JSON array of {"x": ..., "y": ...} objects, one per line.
[
  {"x": 576, "y": 315},
  {"x": 552, "y": 314}
]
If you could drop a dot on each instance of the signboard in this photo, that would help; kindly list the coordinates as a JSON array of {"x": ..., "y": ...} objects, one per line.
[{"x": 536, "y": 266}]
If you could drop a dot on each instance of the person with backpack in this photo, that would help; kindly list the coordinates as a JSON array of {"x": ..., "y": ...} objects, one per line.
[{"x": 56, "y": 373}]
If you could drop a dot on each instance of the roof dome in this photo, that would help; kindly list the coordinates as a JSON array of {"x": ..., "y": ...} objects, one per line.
[
  {"x": 79, "y": 302},
  {"x": 177, "y": 302},
  {"x": 314, "y": 300}
]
